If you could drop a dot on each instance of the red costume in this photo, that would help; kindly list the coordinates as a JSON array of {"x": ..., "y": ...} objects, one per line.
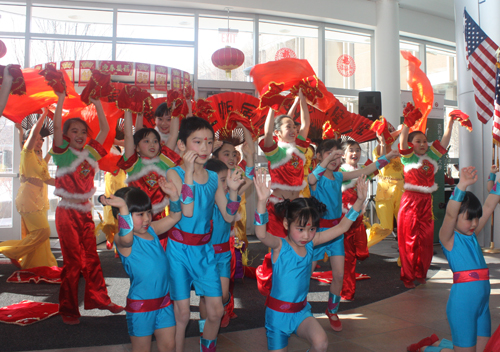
[
  {"x": 415, "y": 219},
  {"x": 75, "y": 227}
]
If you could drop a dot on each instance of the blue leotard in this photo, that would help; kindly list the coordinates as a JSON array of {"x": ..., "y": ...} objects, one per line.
[
  {"x": 195, "y": 265},
  {"x": 329, "y": 192},
  {"x": 468, "y": 308},
  {"x": 220, "y": 234},
  {"x": 147, "y": 268},
  {"x": 291, "y": 277}
]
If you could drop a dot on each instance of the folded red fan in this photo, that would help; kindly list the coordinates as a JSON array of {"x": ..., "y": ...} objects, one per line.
[
  {"x": 264, "y": 275},
  {"x": 329, "y": 132},
  {"x": 272, "y": 97},
  {"x": 99, "y": 86},
  {"x": 411, "y": 115},
  {"x": 461, "y": 117},
  {"x": 54, "y": 79},
  {"x": 18, "y": 85},
  {"x": 134, "y": 99},
  {"x": 382, "y": 129},
  {"x": 188, "y": 92},
  {"x": 203, "y": 109},
  {"x": 315, "y": 92}
]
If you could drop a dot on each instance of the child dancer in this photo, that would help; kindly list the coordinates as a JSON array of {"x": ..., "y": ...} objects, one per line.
[
  {"x": 167, "y": 128},
  {"x": 287, "y": 309},
  {"x": 468, "y": 309},
  {"x": 149, "y": 308},
  {"x": 415, "y": 220},
  {"x": 145, "y": 162},
  {"x": 190, "y": 255},
  {"x": 326, "y": 185},
  {"x": 76, "y": 164}
]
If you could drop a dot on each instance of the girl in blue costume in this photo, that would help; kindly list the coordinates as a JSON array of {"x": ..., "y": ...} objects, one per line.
[
  {"x": 287, "y": 309},
  {"x": 191, "y": 256},
  {"x": 149, "y": 308},
  {"x": 468, "y": 308},
  {"x": 325, "y": 183}
]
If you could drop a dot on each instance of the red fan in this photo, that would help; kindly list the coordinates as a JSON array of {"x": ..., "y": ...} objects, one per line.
[
  {"x": 149, "y": 116},
  {"x": 99, "y": 86},
  {"x": 54, "y": 78},
  {"x": 230, "y": 108},
  {"x": 361, "y": 131},
  {"x": 461, "y": 117},
  {"x": 18, "y": 85}
]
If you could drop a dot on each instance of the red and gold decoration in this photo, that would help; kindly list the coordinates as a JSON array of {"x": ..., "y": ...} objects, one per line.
[
  {"x": 142, "y": 75},
  {"x": 54, "y": 78},
  {"x": 285, "y": 53},
  {"x": 69, "y": 67},
  {"x": 203, "y": 109},
  {"x": 38, "y": 67},
  {"x": 161, "y": 78},
  {"x": 18, "y": 84},
  {"x": 86, "y": 68},
  {"x": 176, "y": 80},
  {"x": 411, "y": 115},
  {"x": 329, "y": 132},
  {"x": 177, "y": 102},
  {"x": 462, "y": 118},
  {"x": 53, "y": 64},
  {"x": 382, "y": 129},
  {"x": 117, "y": 68},
  {"x": 3, "y": 49},
  {"x": 228, "y": 59},
  {"x": 98, "y": 87},
  {"x": 346, "y": 65},
  {"x": 134, "y": 99}
]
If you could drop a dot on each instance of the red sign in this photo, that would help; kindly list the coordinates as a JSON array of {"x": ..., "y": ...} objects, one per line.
[
  {"x": 117, "y": 68},
  {"x": 346, "y": 65},
  {"x": 142, "y": 75},
  {"x": 285, "y": 53},
  {"x": 161, "y": 78},
  {"x": 53, "y": 64},
  {"x": 186, "y": 79},
  {"x": 176, "y": 80},
  {"x": 69, "y": 67},
  {"x": 86, "y": 67}
]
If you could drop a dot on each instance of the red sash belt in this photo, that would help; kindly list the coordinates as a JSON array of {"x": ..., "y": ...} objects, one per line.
[
  {"x": 285, "y": 307},
  {"x": 147, "y": 305},
  {"x": 221, "y": 247},
  {"x": 471, "y": 275},
  {"x": 190, "y": 239},
  {"x": 324, "y": 223}
]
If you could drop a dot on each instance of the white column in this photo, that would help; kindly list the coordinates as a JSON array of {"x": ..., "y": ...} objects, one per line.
[{"x": 387, "y": 59}]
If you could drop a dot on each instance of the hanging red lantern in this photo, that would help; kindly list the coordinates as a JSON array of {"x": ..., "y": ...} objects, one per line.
[
  {"x": 3, "y": 49},
  {"x": 228, "y": 59}
]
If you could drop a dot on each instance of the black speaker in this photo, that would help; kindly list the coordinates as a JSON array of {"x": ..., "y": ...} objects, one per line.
[{"x": 370, "y": 105}]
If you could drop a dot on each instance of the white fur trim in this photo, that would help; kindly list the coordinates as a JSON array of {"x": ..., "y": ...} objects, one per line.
[
  {"x": 421, "y": 189},
  {"x": 345, "y": 210},
  {"x": 352, "y": 182},
  {"x": 273, "y": 199},
  {"x": 159, "y": 207},
  {"x": 290, "y": 149},
  {"x": 146, "y": 169},
  {"x": 163, "y": 136},
  {"x": 61, "y": 192},
  {"x": 82, "y": 207},
  {"x": 421, "y": 158},
  {"x": 114, "y": 151},
  {"x": 288, "y": 187},
  {"x": 82, "y": 155}
]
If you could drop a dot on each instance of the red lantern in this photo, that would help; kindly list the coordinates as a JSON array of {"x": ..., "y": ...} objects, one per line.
[
  {"x": 228, "y": 59},
  {"x": 3, "y": 49}
]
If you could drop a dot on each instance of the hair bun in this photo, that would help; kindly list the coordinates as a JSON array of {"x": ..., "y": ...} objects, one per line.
[{"x": 320, "y": 207}]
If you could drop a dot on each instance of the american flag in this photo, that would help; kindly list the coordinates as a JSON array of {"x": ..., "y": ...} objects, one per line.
[
  {"x": 496, "y": 117},
  {"x": 481, "y": 59}
]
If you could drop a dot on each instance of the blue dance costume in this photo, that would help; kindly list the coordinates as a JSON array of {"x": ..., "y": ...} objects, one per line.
[
  {"x": 291, "y": 277},
  {"x": 329, "y": 192},
  {"x": 147, "y": 268},
  {"x": 468, "y": 308},
  {"x": 195, "y": 264},
  {"x": 220, "y": 242}
]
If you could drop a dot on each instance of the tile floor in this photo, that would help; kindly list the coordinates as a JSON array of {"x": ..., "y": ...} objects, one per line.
[{"x": 387, "y": 325}]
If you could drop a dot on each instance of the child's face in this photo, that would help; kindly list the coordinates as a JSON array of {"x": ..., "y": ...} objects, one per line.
[
  {"x": 201, "y": 142},
  {"x": 77, "y": 134},
  {"x": 163, "y": 123},
  {"x": 142, "y": 221},
  {"x": 420, "y": 145},
  {"x": 334, "y": 164},
  {"x": 464, "y": 226},
  {"x": 287, "y": 132},
  {"x": 227, "y": 154},
  {"x": 149, "y": 146},
  {"x": 300, "y": 235},
  {"x": 39, "y": 142},
  {"x": 352, "y": 154},
  {"x": 223, "y": 180}
]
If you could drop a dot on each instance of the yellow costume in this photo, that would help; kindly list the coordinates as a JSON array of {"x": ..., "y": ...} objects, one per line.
[
  {"x": 112, "y": 184},
  {"x": 389, "y": 190},
  {"x": 32, "y": 202},
  {"x": 309, "y": 154}
]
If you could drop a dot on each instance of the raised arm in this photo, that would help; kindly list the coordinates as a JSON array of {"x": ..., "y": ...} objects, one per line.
[
  {"x": 445, "y": 141},
  {"x": 305, "y": 120},
  {"x": 229, "y": 207},
  {"x": 125, "y": 237},
  {"x": 248, "y": 150},
  {"x": 403, "y": 137},
  {"x": 35, "y": 131},
  {"x": 382, "y": 146},
  {"x": 174, "y": 215},
  {"x": 269, "y": 129},
  {"x": 492, "y": 177},
  {"x": 128, "y": 134},
  {"x": 139, "y": 121},
  {"x": 5, "y": 89},
  {"x": 174, "y": 133},
  {"x": 370, "y": 169},
  {"x": 318, "y": 172},
  {"x": 103, "y": 122},
  {"x": 489, "y": 206},
  {"x": 57, "y": 120}
]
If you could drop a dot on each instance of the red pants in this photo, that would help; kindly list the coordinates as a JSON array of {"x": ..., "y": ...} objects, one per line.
[
  {"x": 78, "y": 246},
  {"x": 415, "y": 235},
  {"x": 355, "y": 246}
]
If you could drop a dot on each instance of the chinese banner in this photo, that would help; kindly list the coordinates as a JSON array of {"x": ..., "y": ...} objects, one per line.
[
  {"x": 186, "y": 78},
  {"x": 176, "y": 80},
  {"x": 38, "y": 67},
  {"x": 69, "y": 67},
  {"x": 161, "y": 78},
  {"x": 117, "y": 68},
  {"x": 85, "y": 72},
  {"x": 53, "y": 64},
  {"x": 142, "y": 75}
]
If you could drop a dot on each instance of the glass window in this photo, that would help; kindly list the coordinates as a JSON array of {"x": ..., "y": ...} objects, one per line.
[
  {"x": 6, "y": 166},
  {"x": 214, "y": 35},
  {"x": 348, "y": 60},
  {"x": 13, "y": 18},
  {"x": 71, "y": 21},
  {"x": 155, "y": 26},
  {"x": 301, "y": 40},
  {"x": 43, "y": 51},
  {"x": 15, "y": 51},
  {"x": 414, "y": 49},
  {"x": 171, "y": 56},
  {"x": 442, "y": 71}
]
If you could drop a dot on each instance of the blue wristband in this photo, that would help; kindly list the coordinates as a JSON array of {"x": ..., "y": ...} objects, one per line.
[
  {"x": 175, "y": 206},
  {"x": 125, "y": 224},
  {"x": 352, "y": 214},
  {"x": 318, "y": 171},
  {"x": 187, "y": 194},
  {"x": 250, "y": 172},
  {"x": 492, "y": 177},
  {"x": 382, "y": 162},
  {"x": 458, "y": 195},
  {"x": 261, "y": 219},
  {"x": 495, "y": 189},
  {"x": 232, "y": 206}
]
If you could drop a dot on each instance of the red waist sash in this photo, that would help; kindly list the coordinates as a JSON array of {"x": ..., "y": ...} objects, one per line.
[
  {"x": 471, "y": 275},
  {"x": 147, "y": 305},
  {"x": 324, "y": 223},
  {"x": 221, "y": 247},
  {"x": 285, "y": 307},
  {"x": 190, "y": 239}
]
